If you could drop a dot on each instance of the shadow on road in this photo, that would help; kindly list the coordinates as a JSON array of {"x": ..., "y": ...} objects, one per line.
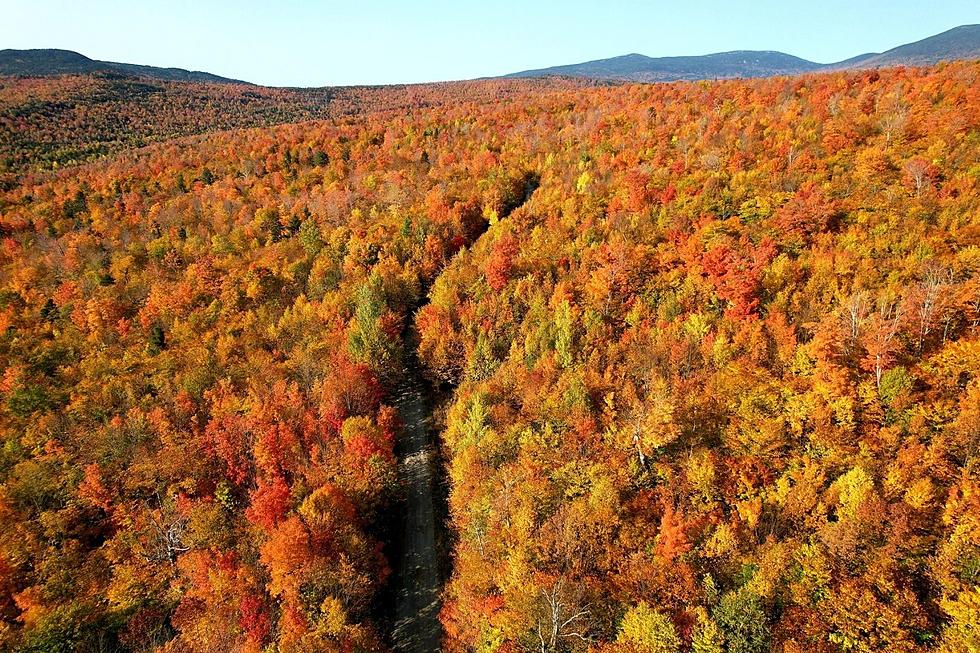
[{"x": 417, "y": 627}]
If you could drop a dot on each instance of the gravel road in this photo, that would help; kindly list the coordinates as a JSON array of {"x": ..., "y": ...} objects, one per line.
[{"x": 417, "y": 627}]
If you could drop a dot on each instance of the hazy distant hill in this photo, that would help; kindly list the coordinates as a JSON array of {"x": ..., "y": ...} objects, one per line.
[
  {"x": 640, "y": 68},
  {"x": 958, "y": 43},
  {"x": 49, "y": 62},
  {"x": 961, "y": 42}
]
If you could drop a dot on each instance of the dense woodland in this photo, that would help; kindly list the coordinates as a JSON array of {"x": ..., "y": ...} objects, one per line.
[
  {"x": 708, "y": 353},
  {"x": 53, "y": 122}
]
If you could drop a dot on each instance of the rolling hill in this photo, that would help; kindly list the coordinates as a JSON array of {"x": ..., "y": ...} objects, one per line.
[
  {"x": 961, "y": 42},
  {"x": 640, "y": 68},
  {"x": 958, "y": 43},
  {"x": 51, "y": 62},
  {"x": 51, "y": 122}
]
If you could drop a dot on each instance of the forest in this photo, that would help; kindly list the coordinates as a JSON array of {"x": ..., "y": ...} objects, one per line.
[
  {"x": 51, "y": 122},
  {"x": 704, "y": 359}
]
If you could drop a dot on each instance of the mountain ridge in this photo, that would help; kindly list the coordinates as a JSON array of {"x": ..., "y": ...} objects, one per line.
[
  {"x": 49, "y": 62},
  {"x": 641, "y": 68},
  {"x": 962, "y": 42}
]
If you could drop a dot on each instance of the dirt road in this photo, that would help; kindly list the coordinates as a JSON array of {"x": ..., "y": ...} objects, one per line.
[{"x": 417, "y": 628}]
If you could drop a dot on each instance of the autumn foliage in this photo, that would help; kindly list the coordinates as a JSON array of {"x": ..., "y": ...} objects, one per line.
[{"x": 708, "y": 355}]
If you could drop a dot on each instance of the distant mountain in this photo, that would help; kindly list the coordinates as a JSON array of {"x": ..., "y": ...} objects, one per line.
[
  {"x": 961, "y": 42},
  {"x": 958, "y": 43},
  {"x": 50, "y": 62},
  {"x": 640, "y": 68}
]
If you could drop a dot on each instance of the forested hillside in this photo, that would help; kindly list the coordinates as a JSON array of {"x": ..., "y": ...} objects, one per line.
[
  {"x": 53, "y": 122},
  {"x": 53, "y": 62},
  {"x": 709, "y": 355},
  {"x": 718, "y": 380}
]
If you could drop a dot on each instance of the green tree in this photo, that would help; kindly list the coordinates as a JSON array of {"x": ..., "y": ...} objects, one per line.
[
  {"x": 319, "y": 158},
  {"x": 368, "y": 341},
  {"x": 740, "y": 617},
  {"x": 310, "y": 238},
  {"x": 267, "y": 222},
  {"x": 49, "y": 312},
  {"x": 158, "y": 339},
  {"x": 483, "y": 362}
]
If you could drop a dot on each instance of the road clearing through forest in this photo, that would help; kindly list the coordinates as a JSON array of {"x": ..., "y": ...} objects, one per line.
[{"x": 417, "y": 627}]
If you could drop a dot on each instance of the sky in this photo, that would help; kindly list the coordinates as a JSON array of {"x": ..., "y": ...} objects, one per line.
[{"x": 308, "y": 43}]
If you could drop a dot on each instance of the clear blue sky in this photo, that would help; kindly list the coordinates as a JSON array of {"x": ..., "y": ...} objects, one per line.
[{"x": 307, "y": 43}]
